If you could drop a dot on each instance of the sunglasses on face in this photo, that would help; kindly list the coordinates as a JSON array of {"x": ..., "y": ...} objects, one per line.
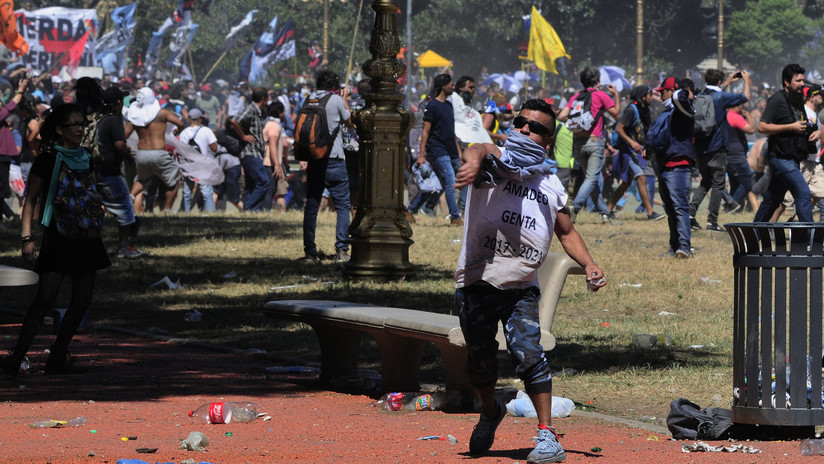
[
  {"x": 534, "y": 127},
  {"x": 75, "y": 124}
]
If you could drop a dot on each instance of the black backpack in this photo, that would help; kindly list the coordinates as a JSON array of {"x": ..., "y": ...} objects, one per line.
[
  {"x": 686, "y": 421},
  {"x": 227, "y": 140},
  {"x": 313, "y": 140}
]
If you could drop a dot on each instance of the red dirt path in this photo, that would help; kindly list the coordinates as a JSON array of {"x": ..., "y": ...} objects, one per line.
[{"x": 144, "y": 387}]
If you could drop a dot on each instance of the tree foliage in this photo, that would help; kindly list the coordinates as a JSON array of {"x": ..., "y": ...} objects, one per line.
[
  {"x": 475, "y": 33},
  {"x": 767, "y": 34}
]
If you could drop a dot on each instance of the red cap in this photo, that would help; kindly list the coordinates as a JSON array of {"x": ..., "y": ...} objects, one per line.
[
  {"x": 205, "y": 87},
  {"x": 191, "y": 413},
  {"x": 669, "y": 84}
]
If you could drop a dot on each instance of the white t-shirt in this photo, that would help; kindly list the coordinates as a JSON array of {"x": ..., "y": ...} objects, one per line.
[
  {"x": 468, "y": 125},
  {"x": 508, "y": 232},
  {"x": 203, "y": 138},
  {"x": 812, "y": 117}
]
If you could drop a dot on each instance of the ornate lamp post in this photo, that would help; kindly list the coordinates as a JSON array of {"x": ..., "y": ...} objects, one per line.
[{"x": 380, "y": 233}]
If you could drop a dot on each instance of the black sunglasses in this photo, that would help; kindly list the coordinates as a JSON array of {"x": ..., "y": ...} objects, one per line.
[{"x": 534, "y": 127}]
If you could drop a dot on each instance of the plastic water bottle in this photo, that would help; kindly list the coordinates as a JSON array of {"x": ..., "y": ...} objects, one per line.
[
  {"x": 225, "y": 412},
  {"x": 522, "y": 406},
  {"x": 812, "y": 447},
  {"x": 44, "y": 424},
  {"x": 398, "y": 401}
]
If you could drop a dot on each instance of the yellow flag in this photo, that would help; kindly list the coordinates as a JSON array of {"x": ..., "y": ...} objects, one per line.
[{"x": 544, "y": 44}]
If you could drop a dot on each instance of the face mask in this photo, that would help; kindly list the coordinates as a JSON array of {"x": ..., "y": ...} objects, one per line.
[{"x": 466, "y": 95}]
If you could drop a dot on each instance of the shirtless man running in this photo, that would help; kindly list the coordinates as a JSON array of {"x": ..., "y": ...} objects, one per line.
[{"x": 149, "y": 120}]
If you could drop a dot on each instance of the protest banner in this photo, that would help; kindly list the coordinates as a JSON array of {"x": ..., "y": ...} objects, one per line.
[{"x": 57, "y": 34}]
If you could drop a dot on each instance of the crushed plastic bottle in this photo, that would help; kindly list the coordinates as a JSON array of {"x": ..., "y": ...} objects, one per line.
[
  {"x": 399, "y": 401},
  {"x": 55, "y": 424},
  {"x": 649, "y": 341},
  {"x": 196, "y": 441},
  {"x": 812, "y": 447},
  {"x": 225, "y": 412}
]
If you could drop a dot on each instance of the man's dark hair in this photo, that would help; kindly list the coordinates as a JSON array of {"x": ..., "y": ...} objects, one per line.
[
  {"x": 714, "y": 76},
  {"x": 439, "y": 82},
  {"x": 590, "y": 77},
  {"x": 687, "y": 84},
  {"x": 790, "y": 71},
  {"x": 461, "y": 82},
  {"x": 258, "y": 94},
  {"x": 327, "y": 80},
  {"x": 536, "y": 104}
]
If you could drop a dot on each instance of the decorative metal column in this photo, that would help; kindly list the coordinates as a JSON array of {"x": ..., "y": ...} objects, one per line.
[{"x": 380, "y": 233}]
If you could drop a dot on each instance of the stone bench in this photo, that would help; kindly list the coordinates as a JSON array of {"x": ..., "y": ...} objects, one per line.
[
  {"x": 15, "y": 277},
  {"x": 402, "y": 334}
]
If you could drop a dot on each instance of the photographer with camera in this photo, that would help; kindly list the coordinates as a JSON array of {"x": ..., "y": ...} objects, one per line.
[
  {"x": 810, "y": 167},
  {"x": 784, "y": 122}
]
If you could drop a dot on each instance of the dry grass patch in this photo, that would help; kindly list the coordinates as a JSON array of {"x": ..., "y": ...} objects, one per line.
[{"x": 594, "y": 330}]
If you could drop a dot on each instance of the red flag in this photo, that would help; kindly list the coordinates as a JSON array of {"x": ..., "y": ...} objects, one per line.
[{"x": 8, "y": 29}]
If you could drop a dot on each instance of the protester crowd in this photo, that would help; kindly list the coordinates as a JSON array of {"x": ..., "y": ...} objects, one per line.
[
  {"x": 233, "y": 144},
  {"x": 730, "y": 149}
]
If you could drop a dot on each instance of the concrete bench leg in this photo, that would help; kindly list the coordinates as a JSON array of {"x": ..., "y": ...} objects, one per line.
[
  {"x": 457, "y": 382},
  {"x": 339, "y": 351},
  {"x": 400, "y": 363}
]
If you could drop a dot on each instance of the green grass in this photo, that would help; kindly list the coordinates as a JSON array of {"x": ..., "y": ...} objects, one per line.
[{"x": 612, "y": 376}]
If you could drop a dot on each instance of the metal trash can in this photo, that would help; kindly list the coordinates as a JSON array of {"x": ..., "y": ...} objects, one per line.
[{"x": 777, "y": 336}]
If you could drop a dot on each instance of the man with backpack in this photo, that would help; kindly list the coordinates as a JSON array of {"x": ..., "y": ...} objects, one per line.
[
  {"x": 584, "y": 116},
  {"x": 329, "y": 170},
  {"x": 199, "y": 136},
  {"x": 110, "y": 138},
  {"x": 675, "y": 159},
  {"x": 630, "y": 161},
  {"x": 710, "y": 143}
]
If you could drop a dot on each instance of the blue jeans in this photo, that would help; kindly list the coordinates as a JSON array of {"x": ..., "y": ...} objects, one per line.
[
  {"x": 116, "y": 199},
  {"x": 786, "y": 175},
  {"x": 740, "y": 176},
  {"x": 257, "y": 183},
  {"x": 456, "y": 166},
  {"x": 589, "y": 154},
  {"x": 205, "y": 190},
  {"x": 330, "y": 174},
  {"x": 442, "y": 165},
  {"x": 713, "y": 169},
  {"x": 675, "y": 192}
]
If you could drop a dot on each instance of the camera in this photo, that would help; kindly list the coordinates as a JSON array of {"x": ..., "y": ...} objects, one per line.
[
  {"x": 808, "y": 131},
  {"x": 738, "y": 75}
]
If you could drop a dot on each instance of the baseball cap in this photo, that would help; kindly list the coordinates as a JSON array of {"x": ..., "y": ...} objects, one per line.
[
  {"x": 668, "y": 84},
  {"x": 205, "y": 87},
  {"x": 812, "y": 91},
  {"x": 640, "y": 92},
  {"x": 113, "y": 94},
  {"x": 195, "y": 113}
]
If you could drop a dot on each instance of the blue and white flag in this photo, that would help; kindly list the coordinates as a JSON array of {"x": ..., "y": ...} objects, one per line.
[
  {"x": 237, "y": 31},
  {"x": 180, "y": 43},
  {"x": 111, "y": 48}
]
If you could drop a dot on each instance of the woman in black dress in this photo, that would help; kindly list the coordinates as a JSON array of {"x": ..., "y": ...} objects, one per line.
[{"x": 72, "y": 216}]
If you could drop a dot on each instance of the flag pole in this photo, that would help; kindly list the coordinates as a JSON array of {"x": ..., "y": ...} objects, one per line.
[
  {"x": 191, "y": 63},
  {"x": 354, "y": 36},
  {"x": 220, "y": 58}
]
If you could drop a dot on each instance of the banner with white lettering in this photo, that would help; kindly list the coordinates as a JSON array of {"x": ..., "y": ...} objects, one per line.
[{"x": 58, "y": 37}]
